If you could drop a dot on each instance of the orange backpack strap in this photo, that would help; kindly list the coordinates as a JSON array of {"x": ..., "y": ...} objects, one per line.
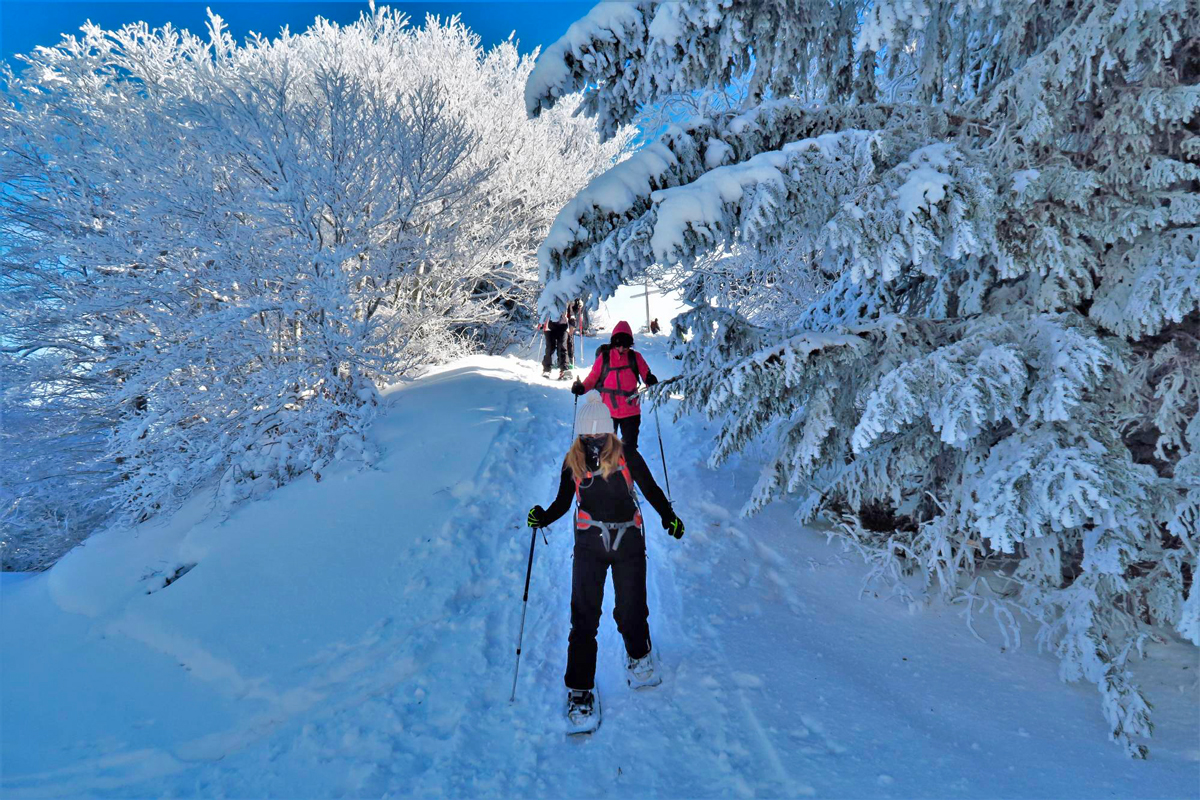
[
  {"x": 589, "y": 477},
  {"x": 581, "y": 514},
  {"x": 637, "y": 517},
  {"x": 624, "y": 471},
  {"x": 628, "y": 475}
]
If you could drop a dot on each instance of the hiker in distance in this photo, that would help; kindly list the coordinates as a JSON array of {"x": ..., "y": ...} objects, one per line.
[
  {"x": 600, "y": 472},
  {"x": 616, "y": 374},
  {"x": 581, "y": 314},
  {"x": 556, "y": 333},
  {"x": 573, "y": 326}
]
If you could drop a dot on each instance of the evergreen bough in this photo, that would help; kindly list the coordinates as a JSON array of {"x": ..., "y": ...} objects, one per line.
[{"x": 978, "y": 355}]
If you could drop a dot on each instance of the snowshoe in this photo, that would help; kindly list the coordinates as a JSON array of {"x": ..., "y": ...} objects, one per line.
[
  {"x": 563, "y": 375},
  {"x": 546, "y": 374},
  {"x": 583, "y": 712},
  {"x": 642, "y": 673}
]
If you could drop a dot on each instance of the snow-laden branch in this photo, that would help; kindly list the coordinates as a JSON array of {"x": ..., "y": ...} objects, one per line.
[
  {"x": 746, "y": 200},
  {"x": 684, "y": 47},
  {"x": 1030, "y": 192}
]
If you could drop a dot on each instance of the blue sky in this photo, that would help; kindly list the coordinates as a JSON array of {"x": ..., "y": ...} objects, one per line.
[{"x": 25, "y": 25}]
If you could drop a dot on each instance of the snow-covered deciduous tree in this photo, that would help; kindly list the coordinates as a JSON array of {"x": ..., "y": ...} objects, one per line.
[
  {"x": 983, "y": 364},
  {"x": 214, "y": 252}
]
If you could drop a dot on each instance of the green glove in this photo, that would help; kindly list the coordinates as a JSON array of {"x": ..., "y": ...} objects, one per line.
[
  {"x": 674, "y": 526},
  {"x": 536, "y": 515}
]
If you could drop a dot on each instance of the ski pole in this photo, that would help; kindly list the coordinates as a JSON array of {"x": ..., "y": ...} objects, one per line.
[
  {"x": 528, "y": 573},
  {"x": 661, "y": 453},
  {"x": 658, "y": 430},
  {"x": 524, "y": 608},
  {"x": 575, "y": 510}
]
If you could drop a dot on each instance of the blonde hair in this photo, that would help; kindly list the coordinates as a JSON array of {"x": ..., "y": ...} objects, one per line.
[{"x": 610, "y": 457}]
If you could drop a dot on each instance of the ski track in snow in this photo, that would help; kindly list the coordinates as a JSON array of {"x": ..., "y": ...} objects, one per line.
[
  {"x": 415, "y": 705},
  {"x": 403, "y": 729},
  {"x": 418, "y": 703}
]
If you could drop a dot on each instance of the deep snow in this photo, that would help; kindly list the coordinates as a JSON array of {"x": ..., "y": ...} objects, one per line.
[{"x": 356, "y": 636}]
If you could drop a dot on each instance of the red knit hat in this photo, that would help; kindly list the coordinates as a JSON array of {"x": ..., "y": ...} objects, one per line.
[{"x": 622, "y": 335}]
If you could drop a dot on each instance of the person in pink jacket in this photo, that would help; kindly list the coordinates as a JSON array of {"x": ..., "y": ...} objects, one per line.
[{"x": 616, "y": 374}]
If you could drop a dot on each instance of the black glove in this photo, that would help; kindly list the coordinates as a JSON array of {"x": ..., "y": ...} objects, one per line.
[
  {"x": 536, "y": 515},
  {"x": 577, "y": 387},
  {"x": 650, "y": 379},
  {"x": 673, "y": 526}
]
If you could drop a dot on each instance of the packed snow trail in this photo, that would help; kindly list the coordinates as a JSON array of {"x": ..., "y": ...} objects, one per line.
[{"x": 357, "y": 636}]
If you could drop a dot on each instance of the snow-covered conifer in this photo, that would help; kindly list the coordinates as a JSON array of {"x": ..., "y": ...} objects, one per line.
[{"x": 983, "y": 366}]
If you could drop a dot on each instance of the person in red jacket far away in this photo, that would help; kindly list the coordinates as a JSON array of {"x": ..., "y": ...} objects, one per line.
[{"x": 616, "y": 374}]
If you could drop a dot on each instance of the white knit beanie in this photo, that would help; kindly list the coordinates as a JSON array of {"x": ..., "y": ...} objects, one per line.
[{"x": 593, "y": 417}]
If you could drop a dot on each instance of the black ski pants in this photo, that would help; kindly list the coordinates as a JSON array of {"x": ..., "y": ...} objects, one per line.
[
  {"x": 555, "y": 343},
  {"x": 627, "y": 428},
  {"x": 591, "y": 563}
]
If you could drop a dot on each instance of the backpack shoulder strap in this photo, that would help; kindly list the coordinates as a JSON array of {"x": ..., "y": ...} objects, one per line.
[
  {"x": 577, "y": 484},
  {"x": 605, "y": 368},
  {"x": 602, "y": 354},
  {"x": 628, "y": 475}
]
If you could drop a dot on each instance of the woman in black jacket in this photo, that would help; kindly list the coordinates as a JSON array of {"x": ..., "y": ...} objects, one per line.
[{"x": 600, "y": 473}]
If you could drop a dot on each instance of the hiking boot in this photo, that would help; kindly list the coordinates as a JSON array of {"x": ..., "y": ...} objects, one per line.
[
  {"x": 641, "y": 672},
  {"x": 583, "y": 711},
  {"x": 563, "y": 375}
]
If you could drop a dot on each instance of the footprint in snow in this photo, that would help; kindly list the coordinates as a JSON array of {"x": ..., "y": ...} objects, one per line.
[{"x": 745, "y": 680}]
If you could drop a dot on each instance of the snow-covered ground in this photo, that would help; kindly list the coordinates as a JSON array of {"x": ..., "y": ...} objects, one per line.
[{"x": 356, "y": 636}]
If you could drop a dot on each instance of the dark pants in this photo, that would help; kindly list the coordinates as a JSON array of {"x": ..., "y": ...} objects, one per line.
[
  {"x": 571, "y": 347},
  {"x": 627, "y": 427},
  {"x": 555, "y": 334},
  {"x": 587, "y": 599}
]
